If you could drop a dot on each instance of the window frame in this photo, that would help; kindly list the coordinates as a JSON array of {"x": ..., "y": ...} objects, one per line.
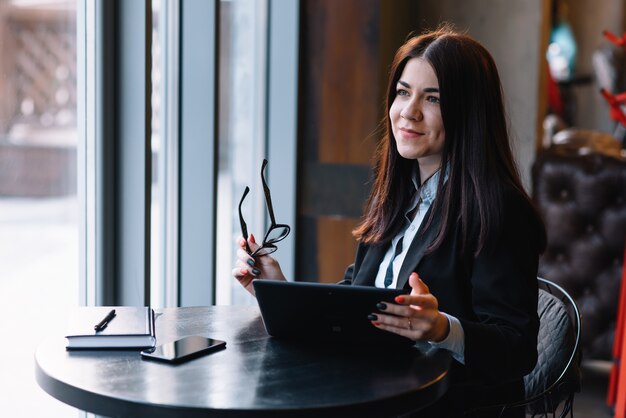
[{"x": 115, "y": 149}]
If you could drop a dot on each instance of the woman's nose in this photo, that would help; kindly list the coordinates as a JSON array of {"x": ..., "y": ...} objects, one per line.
[{"x": 411, "y": 112}]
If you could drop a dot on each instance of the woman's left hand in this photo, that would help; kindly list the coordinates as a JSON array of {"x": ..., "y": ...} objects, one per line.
[{"x": 415, "y": 316}]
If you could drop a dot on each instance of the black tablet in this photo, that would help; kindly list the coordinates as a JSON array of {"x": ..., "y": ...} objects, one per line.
[{"x": 315, "y": 311}]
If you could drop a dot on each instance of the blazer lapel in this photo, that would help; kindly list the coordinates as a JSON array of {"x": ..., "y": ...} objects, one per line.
[
  {"x": 422, "y": 240},
  {"x": 366, "y": 276}
]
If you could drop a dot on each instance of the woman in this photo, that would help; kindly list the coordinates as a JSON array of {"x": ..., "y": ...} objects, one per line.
[{"x": 448, "y": 218}]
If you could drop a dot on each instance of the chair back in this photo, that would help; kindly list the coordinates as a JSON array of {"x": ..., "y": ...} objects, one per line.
[{"x": 556, "y": 377}]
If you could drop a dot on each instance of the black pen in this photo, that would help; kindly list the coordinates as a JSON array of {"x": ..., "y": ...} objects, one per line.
[{"x": 103, "y": 324}]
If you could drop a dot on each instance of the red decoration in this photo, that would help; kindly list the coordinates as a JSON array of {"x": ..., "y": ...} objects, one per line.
[
  {"x": 616, "y": 101},
  {"x": 614, "y": 38},
  {"x": 617, "y": 383}
]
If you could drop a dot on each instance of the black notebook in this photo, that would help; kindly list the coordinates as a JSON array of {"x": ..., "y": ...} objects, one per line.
[{"x": 130, "y": 327}]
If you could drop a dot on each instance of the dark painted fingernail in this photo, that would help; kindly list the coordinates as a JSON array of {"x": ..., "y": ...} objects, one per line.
[
  {"x": 250, "y": 262},
  {"x": 381, "y": 306},
  {"x": 372, "y": 317},
  {"x": 256, "y": 271}
]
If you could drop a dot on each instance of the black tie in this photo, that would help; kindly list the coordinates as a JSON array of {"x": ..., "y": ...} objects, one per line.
[{"x": 389, "y": 272}]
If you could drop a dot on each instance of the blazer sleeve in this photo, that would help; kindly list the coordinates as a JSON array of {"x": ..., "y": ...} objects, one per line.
[
  {"x": 347, "y": 276},
  {"x": 501, "y": 343}
]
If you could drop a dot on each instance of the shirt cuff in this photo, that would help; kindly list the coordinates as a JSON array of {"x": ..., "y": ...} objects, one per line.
[{"x": 455, "y": 341}]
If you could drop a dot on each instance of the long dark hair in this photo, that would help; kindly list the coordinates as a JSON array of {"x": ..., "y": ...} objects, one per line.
[{"x": 476, "y": 149}]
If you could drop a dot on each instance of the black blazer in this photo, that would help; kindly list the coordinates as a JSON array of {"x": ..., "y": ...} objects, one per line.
[{"x": 493, "y": 295}]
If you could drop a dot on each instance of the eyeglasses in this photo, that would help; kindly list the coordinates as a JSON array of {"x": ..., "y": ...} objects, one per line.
[{"x": 275, "y": 233}]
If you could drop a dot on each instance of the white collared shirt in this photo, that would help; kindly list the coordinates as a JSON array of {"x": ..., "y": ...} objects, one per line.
[{"x": 423, "y": 199}]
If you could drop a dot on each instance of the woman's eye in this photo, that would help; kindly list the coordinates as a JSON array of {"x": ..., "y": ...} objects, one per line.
[
  {"x": 433, "y": 99},
  {"x": 402, "y": 92}
]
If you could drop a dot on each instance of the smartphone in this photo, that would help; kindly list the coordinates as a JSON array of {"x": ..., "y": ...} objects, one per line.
[{"x": 184, "y": 349}]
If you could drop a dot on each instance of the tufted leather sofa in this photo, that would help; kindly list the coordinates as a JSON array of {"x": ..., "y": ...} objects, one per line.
[{"x": 582, "y": 199}]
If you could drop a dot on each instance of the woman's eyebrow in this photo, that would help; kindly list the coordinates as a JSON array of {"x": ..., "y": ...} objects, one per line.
[{"x": 426, "y": 90}]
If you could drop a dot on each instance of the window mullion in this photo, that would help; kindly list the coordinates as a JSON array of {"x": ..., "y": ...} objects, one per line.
[
  {"x": 282, "y": 120},
  {"x": 198, "y": 93},
  {"x": 133, "y": 153}
]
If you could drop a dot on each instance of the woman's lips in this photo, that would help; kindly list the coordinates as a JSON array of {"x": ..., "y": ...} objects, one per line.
[{"x": 409, "y": 133}]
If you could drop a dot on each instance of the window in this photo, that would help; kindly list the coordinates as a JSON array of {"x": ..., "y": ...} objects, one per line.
[
  {"x": 39, "y": 209},
  {"x": 86, "y": 214},
  {"x": 165, "y": 152},
  {"x": 241, "y": 134}
]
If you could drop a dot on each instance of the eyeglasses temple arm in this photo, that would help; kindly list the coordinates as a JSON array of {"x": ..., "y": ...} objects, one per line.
[
  {"x": 268, "y": 196},
  {"x": 244, "y": 227}
]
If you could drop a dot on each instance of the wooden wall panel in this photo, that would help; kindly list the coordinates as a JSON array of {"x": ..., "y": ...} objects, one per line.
[
  {"x": 346, "y": 47},
  {"x": 336, "y": 247},
  {"x": 342, "y": 49}
]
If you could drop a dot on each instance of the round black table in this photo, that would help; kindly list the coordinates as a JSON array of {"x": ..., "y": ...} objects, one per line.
[{"x": 256, "y": 375}]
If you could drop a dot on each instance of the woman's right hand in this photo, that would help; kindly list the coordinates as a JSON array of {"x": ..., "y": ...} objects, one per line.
[{"x": 248, "y": 268}]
